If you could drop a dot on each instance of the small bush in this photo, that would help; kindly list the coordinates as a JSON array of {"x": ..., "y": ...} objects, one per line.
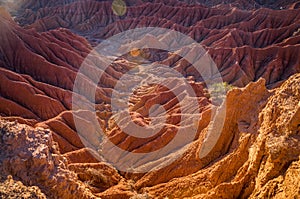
[{"x": 218, "y": 92}]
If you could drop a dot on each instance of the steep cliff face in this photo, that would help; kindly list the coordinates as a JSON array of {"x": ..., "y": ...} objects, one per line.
[
  {"x": 245, "y": 44},
  {"x": 15, "y": 189},
  {"x": 256, "y": 156},
  {"x": 31, "y": 156},
  {"x": 263, "y": 149}
]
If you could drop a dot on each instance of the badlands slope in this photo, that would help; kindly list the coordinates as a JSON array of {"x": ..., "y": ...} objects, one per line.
[
  {"x": 245, "y": 44},
  {"x": 255, "y": 48}
]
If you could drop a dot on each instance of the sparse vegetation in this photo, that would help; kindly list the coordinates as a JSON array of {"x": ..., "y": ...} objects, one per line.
[{"x": 218, "y": 91}]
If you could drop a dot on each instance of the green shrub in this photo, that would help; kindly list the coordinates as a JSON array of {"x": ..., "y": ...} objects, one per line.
[{"x": 218, "y": 91}]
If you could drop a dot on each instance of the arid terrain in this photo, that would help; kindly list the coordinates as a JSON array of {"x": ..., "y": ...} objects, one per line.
[{"x": 89, "y": 110}]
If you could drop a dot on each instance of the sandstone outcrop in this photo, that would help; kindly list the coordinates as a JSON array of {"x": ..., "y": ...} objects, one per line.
[
  {"x": 261, "y": 154},
  {"x": 246, "y": 146},
  {"x": 256, "y": 155},
  {"x": 31, "y": 156},
  {"x": 245, "y": 44},
  {"x": 15, "y": 189}
]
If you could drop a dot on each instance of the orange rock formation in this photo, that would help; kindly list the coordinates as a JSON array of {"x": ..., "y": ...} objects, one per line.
[{"x": 255, "y": 48}]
